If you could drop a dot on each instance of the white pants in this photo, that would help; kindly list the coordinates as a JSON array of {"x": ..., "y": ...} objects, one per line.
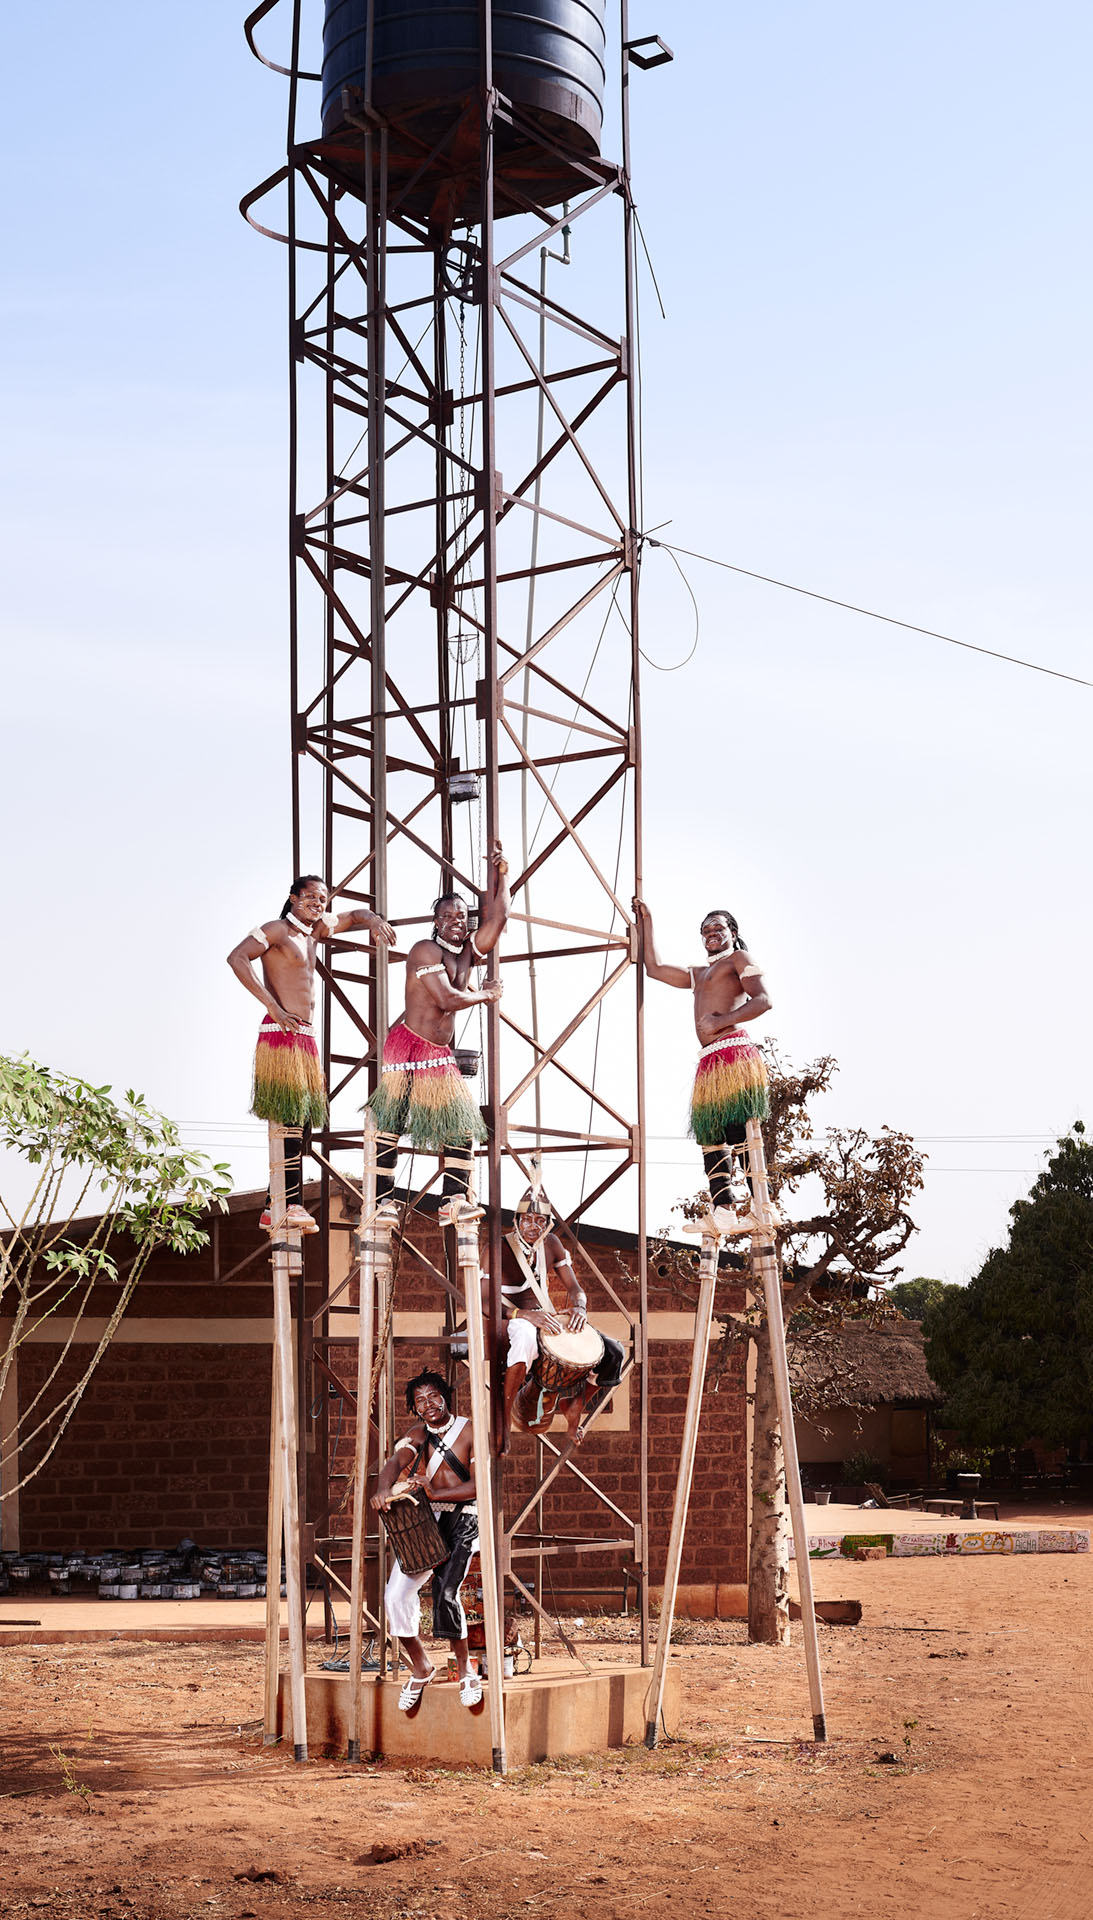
[
  {"x": 459, "y": 1527},
  {"x": 402, "y": 1596},
  {"x": 523, "y": 1343}
]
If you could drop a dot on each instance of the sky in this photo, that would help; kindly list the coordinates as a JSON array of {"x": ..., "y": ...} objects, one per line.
[{"x": 869, "y": 227}]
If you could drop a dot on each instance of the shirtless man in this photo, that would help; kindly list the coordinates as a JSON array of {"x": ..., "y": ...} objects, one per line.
[
  {"x": 288, "y": 1080},
  {"x": 532, "y": 1255},
  {"x": 437, "y": 1454},
  {"x": 421, "y": 1091},
  {"x": 731, "y": 1080}
]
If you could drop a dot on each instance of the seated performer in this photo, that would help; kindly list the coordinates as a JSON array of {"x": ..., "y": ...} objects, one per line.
[
  {"x": 731, "y": 1079},
  {"x": 436, "y": 1454},
  {"x": 531, "y": 1257},
  {"x": 288, "y": 1080},
  {"x": 421, "y": 1091}
]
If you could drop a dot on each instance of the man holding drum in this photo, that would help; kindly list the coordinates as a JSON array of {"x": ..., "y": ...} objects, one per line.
[
  {"x": 435, "y": 1455},
  {"x": 556, "y": 1362}
]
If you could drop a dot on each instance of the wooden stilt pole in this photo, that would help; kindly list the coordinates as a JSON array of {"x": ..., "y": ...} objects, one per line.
[
  {"x": 765, "y": 1259},
  {"x": 367, "y": 1248},
  {"x": 654, "y": 1699},
  {"x": 273, "y": 1565},
  {"x": 466, "y": 1217},
  {"x": 286, "y": 1398}
]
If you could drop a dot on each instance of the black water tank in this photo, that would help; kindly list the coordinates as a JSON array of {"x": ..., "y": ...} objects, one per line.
[{"x": 548, "y": 58}]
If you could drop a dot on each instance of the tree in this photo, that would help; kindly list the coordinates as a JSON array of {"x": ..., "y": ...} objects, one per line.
[
  {"x": 77, "y": 1141},
  {"x": 917, "y": 1299},
  {"x": 846, "y": 1245},
  {"x": 1013, "y": 1350}
]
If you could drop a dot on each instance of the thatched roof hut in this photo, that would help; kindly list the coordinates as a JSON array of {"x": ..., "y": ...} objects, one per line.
[{"x": 859, "y": 1364}]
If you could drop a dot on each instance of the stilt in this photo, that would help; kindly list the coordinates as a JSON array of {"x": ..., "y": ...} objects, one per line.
[
  {"x": 765, "y": 1259},
  {"x": 366, "y": 1333},
  {"x": 699, "y": 1355},
  {"x": 466, "y": 1217},
  {"x": 283, "y": 1240},
  {"x": 273, "y": 1563}
]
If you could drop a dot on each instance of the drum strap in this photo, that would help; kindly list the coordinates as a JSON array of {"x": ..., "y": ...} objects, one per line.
[
  {"x": 519, "y": 1253},
  {"x": 446, "y": 1454}
]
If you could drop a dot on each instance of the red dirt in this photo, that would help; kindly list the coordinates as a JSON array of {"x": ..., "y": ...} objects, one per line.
[{"x": 134, "y": 1783}]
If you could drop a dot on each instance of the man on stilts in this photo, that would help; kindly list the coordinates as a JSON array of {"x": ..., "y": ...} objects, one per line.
[
  {"x": 421, "y": 1091},
  {"x": 288, "y": 1079},
  {"x": 730, "y": 1085}
]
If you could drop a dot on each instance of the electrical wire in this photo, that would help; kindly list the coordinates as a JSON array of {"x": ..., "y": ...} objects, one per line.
[
  {"x": 870, "y": 613},
  {"x": 680, "y": 664}
]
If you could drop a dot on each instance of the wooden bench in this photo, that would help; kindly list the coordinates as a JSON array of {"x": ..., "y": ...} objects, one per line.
[{"x": 954, "y": 1505}]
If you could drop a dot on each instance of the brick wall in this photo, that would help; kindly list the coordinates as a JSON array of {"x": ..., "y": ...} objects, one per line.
[
  {"x": 716, "y": 1543},
  {"x": 168, "y": 1442},
  {"x": 171, "y": 1438}
]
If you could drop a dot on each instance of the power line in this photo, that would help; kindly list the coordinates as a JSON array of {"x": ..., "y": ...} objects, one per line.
[{"x": 870, "y": 613}]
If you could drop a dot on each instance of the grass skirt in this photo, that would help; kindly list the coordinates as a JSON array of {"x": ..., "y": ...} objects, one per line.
[
  {"x": 288, "y": 1080},
  {"x": 730, "y": 1088},
  {"x": 423, "y": 1093}
]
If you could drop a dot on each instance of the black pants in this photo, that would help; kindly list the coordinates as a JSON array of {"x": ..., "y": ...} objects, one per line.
[
  {"x": 610, "y": 1367},
  {"x": 718, "y": 1164},
  {"x": 294, "y": 1170},
  {"x": 460, "y": 1531},
  {"x": 456, "y": 1161}
]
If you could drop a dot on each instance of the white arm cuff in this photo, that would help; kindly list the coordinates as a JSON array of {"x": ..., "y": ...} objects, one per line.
[{"x": 257, "y": 934}]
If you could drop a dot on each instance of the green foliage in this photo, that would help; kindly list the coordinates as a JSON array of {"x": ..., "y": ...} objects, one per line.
[
  {"x": 1013, "y": 1350},
  {"x": 120, "y": 1162},
  {"x": 858, "y": 1468},
  {"x": 916, "y": 1299},
  {"x": 962, "y": 1459}
]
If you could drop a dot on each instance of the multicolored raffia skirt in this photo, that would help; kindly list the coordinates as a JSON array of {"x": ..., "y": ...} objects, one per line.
[
  {"x": 423, "y": 1093},
  {"x": 288, "y": 1080},
  {"x": 730, "y": 1088}
]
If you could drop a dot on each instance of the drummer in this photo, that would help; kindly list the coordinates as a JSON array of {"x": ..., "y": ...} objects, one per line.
[
  {"x": 436, "y": 1455},
  {"x": 532, "y": 1256}
]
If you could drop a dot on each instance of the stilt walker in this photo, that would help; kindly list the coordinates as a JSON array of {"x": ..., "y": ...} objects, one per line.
[{"x": 284, "y": 1241}]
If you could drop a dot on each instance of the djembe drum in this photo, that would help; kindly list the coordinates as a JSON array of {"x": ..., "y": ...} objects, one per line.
[
  {"x": 558, "y": 1373},
  {"x": 416, "y": 1539}
]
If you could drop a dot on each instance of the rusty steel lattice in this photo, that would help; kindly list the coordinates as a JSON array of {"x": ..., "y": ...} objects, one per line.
[{"x": 464, "y": 625}]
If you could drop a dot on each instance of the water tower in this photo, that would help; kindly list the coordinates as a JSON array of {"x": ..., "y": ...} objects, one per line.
[{"x": 464, "y": 524}]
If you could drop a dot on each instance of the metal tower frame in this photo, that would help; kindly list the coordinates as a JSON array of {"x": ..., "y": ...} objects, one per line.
[{"x": 464, "y": 520}]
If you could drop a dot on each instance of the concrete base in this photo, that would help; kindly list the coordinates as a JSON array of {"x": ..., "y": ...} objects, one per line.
[{"x": 554, "y": 1710}]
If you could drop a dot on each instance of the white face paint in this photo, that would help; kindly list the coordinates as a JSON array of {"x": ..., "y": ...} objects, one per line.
[
  {"x": 532, "y": 1227},
  {"x": 716, "y": 936}
]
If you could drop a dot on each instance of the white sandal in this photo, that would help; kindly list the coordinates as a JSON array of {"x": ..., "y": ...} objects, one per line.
[
  {"x": 470, "y": 1690},
  {"x": 414, "y": 1688}
]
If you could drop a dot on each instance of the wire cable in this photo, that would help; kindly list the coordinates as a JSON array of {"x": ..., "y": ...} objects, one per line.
[
  {"x": 680, "y": 664},
  {"x": 870, "y": 613}
]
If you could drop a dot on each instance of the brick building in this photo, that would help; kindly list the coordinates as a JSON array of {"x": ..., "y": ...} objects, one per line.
[{"x": 171, "y": 1438}]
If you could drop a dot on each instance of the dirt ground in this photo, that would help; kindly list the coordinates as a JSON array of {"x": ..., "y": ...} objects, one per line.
[{"x": 134, "y": 1784}]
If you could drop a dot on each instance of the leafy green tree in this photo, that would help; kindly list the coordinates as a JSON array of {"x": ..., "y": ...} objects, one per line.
[
  {"x": 917, "y": 1299},
  {"x": 1013, "y": 1350},
  {"x": 84, "y": 1150}
]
